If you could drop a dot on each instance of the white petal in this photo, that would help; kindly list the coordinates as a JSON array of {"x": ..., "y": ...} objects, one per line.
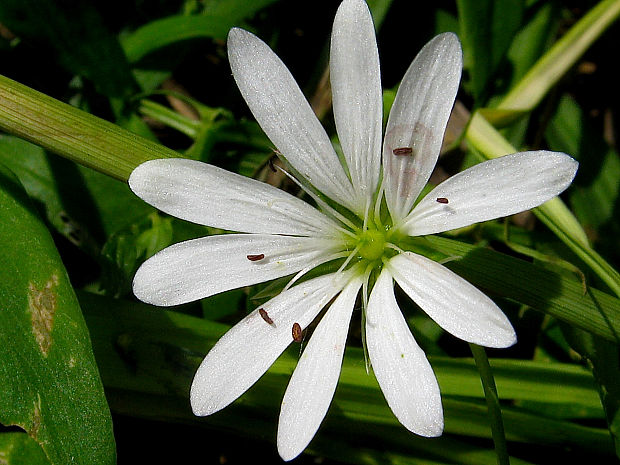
[
  {"x": 418, "y": 120},
  {"x": 245, "y": 352},
  {"x": 454, "y": 304},
  {"x": 200, "y": 268},
  {"x": 285, "y": 115},
  {"x": 312, "y": 386},
  {"x": 204, "y": 194},
  {"x": 357, "y": 97},
  {"x": 492, "y": 189},
  {"x": 400, "y": 365}
]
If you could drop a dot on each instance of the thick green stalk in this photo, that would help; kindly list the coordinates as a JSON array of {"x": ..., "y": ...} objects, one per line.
[{"x": 72, "y": 133}]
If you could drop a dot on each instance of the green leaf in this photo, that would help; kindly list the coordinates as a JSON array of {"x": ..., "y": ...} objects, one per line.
[
  {"x": 214, "y": 24},
  {"x": 532, "y": 40},
  {"x": 561, "y": 57},
  {"x": 126, "y": 249},
  {"x": 487, "y": 30},
  {"x": 50, "y": 383},
  {"x": 535, "y": 286},
  {"x": 553, "y": 213},
  {"x": 76, "y": 33},
  {"x": 158, "y": 351},
  {"x": 20, "y": 449},
  {"x": 83, "y": 205},
  {"x": 597, "y": 180},
  {"x": 604, "y": 360}
]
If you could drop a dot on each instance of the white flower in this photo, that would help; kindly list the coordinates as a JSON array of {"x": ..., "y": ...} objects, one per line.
[{"x": 281, "y": 235}]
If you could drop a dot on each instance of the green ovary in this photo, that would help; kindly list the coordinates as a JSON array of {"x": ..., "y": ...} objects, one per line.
[{"x": 372, "y": 244}]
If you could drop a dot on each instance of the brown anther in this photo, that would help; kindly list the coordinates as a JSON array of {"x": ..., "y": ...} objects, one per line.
[
  {"x": 297, "y": 333},
  {"x": 265, "y": 316},
  {"x": 403, "y": 151},
  {"x": 442, "y": 200},
  {"x": 257, "y": 257}
]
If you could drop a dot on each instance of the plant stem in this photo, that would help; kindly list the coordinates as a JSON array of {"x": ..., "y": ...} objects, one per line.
[
  {"x": 495, "y": 412},
  {"x": 72, "y": 133}
]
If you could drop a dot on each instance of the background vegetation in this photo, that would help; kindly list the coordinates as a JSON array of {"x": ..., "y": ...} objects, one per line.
[{"x": 90, "y": 375}]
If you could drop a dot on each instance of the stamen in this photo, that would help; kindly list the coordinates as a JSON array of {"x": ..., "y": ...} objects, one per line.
[
  {"x": 336, "y": 215},
  {"x": 311, "y": 266},
  {"x": 377, "y": 217},
  {"x": 365, "y": 225},
  {"x": 256, "y": 257},
  {"x": 403, "y": 151},
  {"x": 442, "y": 200},
  {"x": 389, "y": 245},
  {"x": 349, "y": 258},
  {"x": 265, "y": 316},
  {"x": 297, "y": 333},
  {"x": 367, "y": 272}
]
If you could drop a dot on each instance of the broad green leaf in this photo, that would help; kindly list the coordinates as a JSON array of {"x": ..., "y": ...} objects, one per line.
[
  {"x": 50, "y": 383},
  {"x": 20, "y": 449},
  {"x": 82, "y": 204}
]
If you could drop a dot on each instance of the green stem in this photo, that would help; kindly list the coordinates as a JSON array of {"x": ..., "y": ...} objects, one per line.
[
  {"x": 72, "y": 133},
  {"x": 495, "y": 412}
]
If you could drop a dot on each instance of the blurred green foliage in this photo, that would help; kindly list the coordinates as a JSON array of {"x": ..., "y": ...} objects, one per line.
[{"x": 159, "y": 70}]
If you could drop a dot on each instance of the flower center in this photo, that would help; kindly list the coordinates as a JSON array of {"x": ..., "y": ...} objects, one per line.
[{"x": 372, "y": 244}]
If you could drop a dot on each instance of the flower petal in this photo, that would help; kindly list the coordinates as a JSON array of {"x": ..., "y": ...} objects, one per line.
[
  {"x": 454, "y": 304},
  {"x": 204, "y": 194},
  {"x": 357, "y": 97},
  {"x": 200, "y": 268},
  {"x": 492, "y": 189},
  {"x": 245, "y": 352},
  {"x": 400, "y": 365},
  {"x": 312, "y": 386},
  {"x": 285, "y": 115},
  {"x": 418, "y": 120}
]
